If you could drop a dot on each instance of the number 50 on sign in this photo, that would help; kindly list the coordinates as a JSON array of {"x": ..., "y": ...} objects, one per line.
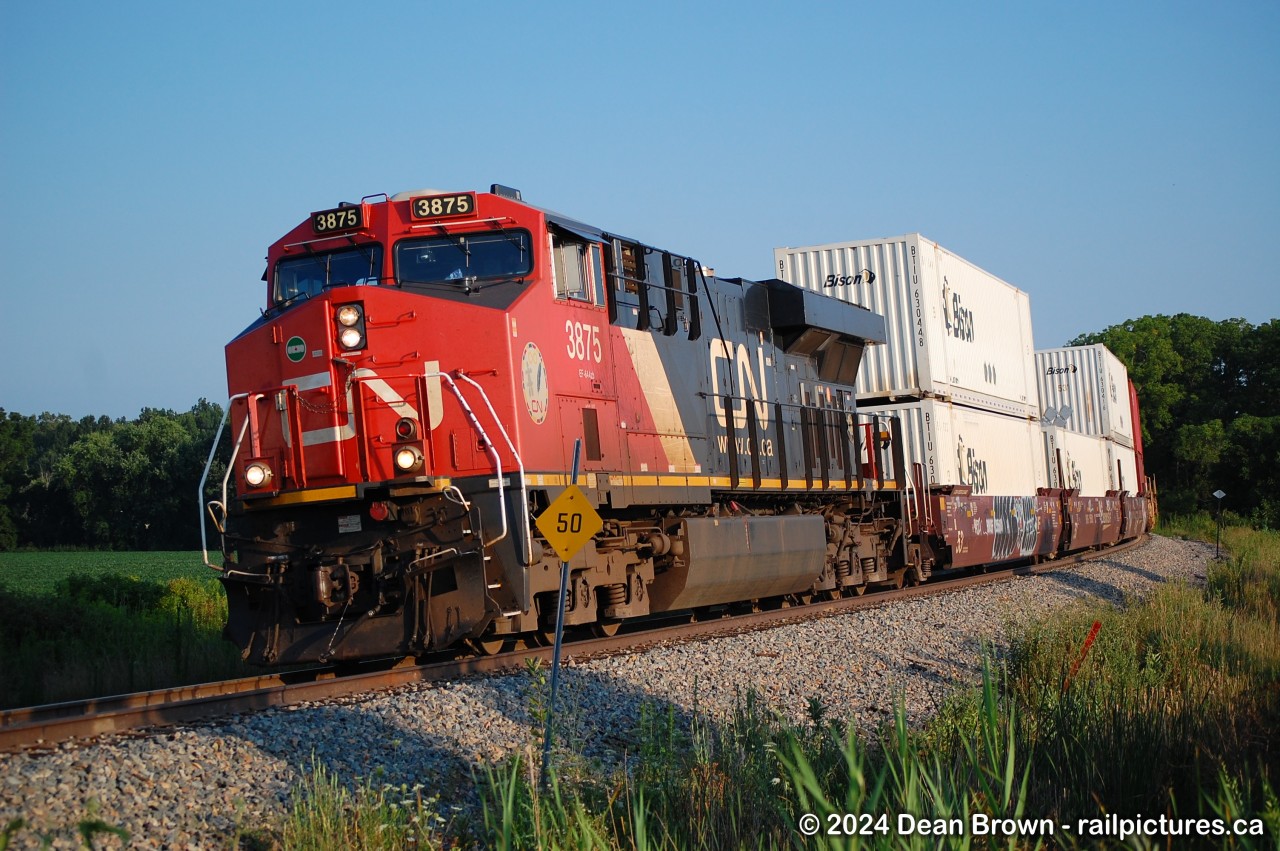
[{"x": 569, "y": 522}]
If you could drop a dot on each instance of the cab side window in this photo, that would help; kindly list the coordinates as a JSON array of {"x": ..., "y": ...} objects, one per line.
[
  {"x": 652, "y": 290},
  {"x": 569, "y": 266},
  {"x": 626, "y": 284}
]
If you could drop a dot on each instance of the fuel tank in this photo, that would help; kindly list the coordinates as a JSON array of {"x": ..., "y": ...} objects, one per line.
[{"x": 741, "y": 558}]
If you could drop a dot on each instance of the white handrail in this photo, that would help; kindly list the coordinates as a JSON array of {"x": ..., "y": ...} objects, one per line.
[
  {"x": 213, "y": 450},
  {"x": 524, "y": 489},
  {"x": 489, "y": 445},
  {"x": 492, "y": 452}
]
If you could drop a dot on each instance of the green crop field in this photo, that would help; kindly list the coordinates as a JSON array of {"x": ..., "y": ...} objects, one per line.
[
  {"x": 39, "y": 572},
  {"x": 89, "y": 624}
]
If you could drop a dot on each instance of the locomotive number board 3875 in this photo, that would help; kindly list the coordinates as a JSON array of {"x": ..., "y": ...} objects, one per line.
[
  {"x": 338, "y": 219},
  {"x": 442, "y": 206}
]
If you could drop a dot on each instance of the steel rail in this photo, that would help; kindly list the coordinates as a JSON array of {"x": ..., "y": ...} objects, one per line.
[{"x": 38, "y": 727}]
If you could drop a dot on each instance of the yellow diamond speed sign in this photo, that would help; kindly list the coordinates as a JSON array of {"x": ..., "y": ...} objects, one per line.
[{"x": 569, "y": 522}]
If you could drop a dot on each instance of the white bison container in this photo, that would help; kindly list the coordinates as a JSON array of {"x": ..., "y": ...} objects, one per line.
[{"x": 956, "y": 332}]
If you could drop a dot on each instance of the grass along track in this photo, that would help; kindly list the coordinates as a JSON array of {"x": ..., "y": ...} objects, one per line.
[{"x": 46, "y": 726}]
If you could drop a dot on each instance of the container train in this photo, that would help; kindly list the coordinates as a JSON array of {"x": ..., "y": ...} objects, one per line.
[{"x": 408, "y": 401}]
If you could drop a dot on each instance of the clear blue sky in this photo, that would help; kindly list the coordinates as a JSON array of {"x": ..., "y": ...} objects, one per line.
[{"x": 1111, "y": 159}]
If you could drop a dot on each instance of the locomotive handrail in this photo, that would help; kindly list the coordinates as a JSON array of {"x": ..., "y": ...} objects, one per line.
[
  {"x": 872, "y": 427},
  {"x": 444, "y": 226},
  {"x": 488, "y": 445},
  {"x": 796, "y": 405},
  {"x": 213, "y": 450},
  {"x": 492, "y": 452},
  {"x": 524, "y": 490},
  {"x": 322, "y": 239}
]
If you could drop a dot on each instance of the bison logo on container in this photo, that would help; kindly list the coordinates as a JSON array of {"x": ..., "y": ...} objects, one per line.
[
  {"x": 1074, "y": 477},
  {"x": 958, "y": 318},
  {"x": 866, "y": 275},
  {"x": 971, "y": 469}
]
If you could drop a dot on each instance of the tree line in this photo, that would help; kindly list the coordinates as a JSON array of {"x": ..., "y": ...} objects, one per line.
[
  {"x": 100, "y": 483},
  {"x": 1209, "y": 391},
  {"x": 1210, "y": 398}
]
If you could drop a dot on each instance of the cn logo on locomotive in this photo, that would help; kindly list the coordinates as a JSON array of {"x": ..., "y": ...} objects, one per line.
[{"x": 748, "y": 385}]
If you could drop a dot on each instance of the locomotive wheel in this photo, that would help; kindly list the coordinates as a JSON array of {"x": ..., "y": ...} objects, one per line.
[
  {"x": 895, "y": 581},
  {"x": 490, "y": 645},
  {"x": 605, "y": 629}
]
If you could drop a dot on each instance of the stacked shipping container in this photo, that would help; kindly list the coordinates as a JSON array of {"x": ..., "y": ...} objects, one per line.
[
  {"x": 991, "y": 453},
  {"x": 955, "y": 332},
  {"x": 978, "y": 405},
  {"x": 1088, "y": 419},
  {"x": 958, "y": 368},
  {"x": 1123, "y": 462},
  {"x": 1092, "y": 465},
  {"x": 1085, "y": 389}
]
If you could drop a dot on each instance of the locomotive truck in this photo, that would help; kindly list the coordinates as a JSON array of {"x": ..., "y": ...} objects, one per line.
[{"x": 408, "y": 402}]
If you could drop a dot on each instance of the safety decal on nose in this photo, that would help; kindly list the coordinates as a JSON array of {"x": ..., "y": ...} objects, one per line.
[{"x": 296, "y": 349}]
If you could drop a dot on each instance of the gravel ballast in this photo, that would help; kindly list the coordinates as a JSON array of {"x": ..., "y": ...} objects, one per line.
[{"x": 191, "y": 787}]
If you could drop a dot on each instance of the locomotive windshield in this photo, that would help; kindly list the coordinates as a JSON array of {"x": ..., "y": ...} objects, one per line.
[
  {"x": 302, "y": 277},
  {"x": 442, "y": 259}
]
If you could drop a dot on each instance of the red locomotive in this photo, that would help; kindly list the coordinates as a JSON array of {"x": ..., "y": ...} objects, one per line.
[{"x": 408, "y": 403}]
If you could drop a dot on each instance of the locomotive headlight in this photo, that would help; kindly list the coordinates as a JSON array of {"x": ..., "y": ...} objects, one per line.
[
  {"x": 348, "y": 315},
  {"x": 351, "y": 338},
  {"x": 257, "y": 475},
  {"x": 408, "y": 459},
  {"x": 350, "y": 322}
]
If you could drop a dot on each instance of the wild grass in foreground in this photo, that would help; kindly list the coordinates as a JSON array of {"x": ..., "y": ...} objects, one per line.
[
  {"x": 1175, "y": 711},
  {"x": 1171, "y": 692},
  {"x": 332, "y": 817}
]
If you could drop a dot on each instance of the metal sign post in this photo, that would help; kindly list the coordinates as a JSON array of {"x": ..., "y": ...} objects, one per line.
[
  {"x": 1217, "y": 545},
  {"x": 555, "y": 656}
]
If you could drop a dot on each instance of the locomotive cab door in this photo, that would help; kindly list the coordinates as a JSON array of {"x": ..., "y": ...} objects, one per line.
[{"x": 588, "y": 405}]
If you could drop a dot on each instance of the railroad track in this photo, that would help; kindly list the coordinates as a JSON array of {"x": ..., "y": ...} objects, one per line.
[{"x": 46, "y": 726}]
